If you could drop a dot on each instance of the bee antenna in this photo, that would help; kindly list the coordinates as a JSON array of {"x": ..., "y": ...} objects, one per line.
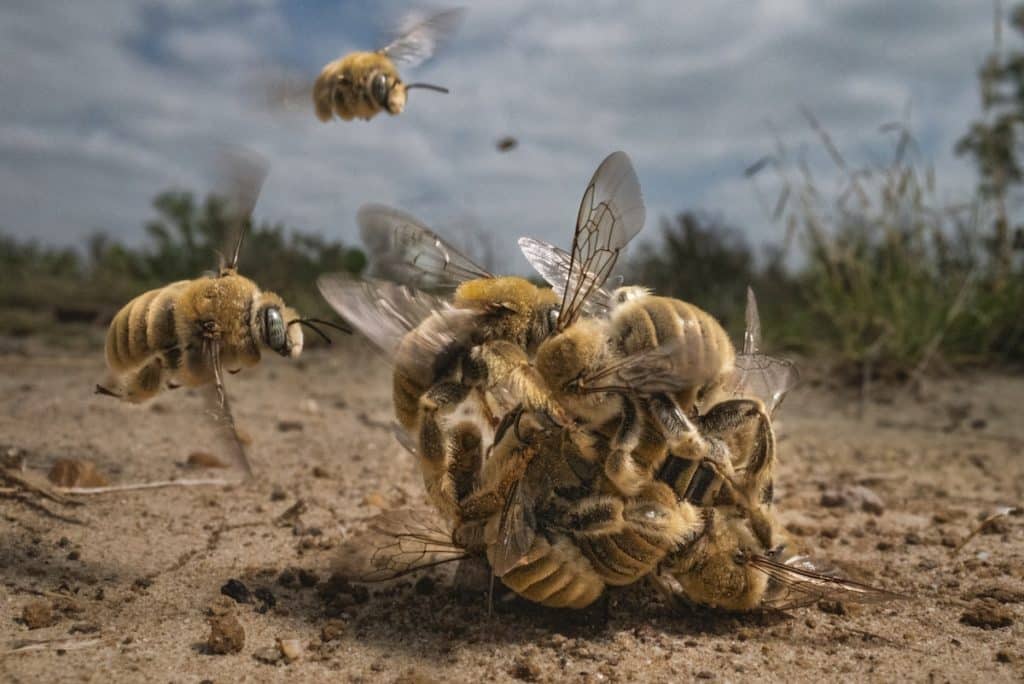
[
  {"x": 318, "y": 331},
  {"x": 427, "y": 86},
  {"x": 342, "y": 327}
]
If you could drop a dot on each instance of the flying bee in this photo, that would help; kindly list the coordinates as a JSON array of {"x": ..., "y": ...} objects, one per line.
[
  {"x": 191, "y": 331},
  {"x": 364, "y": 84},
  {"x": 480, "y": 342}
]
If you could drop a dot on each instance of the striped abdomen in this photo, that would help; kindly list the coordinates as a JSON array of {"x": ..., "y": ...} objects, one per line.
[
  {"x": 701, "y": 346},
  {"x": 143, "y": 328},
  {"x": 555, "y": 573}
]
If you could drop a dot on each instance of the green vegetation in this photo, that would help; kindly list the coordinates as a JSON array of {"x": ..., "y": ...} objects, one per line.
[{"x": 43, "y": 286}]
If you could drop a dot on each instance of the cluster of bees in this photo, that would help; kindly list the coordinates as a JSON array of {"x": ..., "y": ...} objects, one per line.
[{"x": 576, "y": 438}]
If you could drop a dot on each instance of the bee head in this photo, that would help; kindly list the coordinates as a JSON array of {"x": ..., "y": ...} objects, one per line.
[
  {"x": 563, "y": 359},
  {"x": 716, "y": 573},
  {"x": 388, "y": 91},
  {"x": 275, "y": 325}
]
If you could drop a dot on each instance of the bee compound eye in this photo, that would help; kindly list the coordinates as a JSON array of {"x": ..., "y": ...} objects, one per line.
[
  {"x": 274, "y": 334},
  {"x": 379, "y": 89}
]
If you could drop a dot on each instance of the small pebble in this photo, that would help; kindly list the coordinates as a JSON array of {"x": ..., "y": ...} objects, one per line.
[
  {"x": 291, "y": 649},
  {"x": 289, "y": 426},
  {"x": 987, "y": 615}
]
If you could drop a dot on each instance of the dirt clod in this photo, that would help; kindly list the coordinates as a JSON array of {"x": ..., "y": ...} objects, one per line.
[
  {"x": 266, "y": 599},
  {"x": 289, "y": 426},
  {"x": 236, "y": 590},
  {"x": 332, "y": 631},
  {"x": 204, "y": 459},
  {"x": 75, "y": 472},
  {"x": 38, "y": 614},
  {"x": 987, "y": 615},
  {"x": 526, "y": 669},
  {"x": 226, "y": 635}
]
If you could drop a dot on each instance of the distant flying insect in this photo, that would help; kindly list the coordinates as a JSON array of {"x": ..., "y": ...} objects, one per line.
[
  {"x": 506, "y": 144},
  {"x": 190, "y": 332},
  {"x": 363, "y": 84}
]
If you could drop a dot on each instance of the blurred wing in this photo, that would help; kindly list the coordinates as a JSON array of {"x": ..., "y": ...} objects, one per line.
[
  {"x": 406, "y": 251},
  {"x": 516, "y": 529},
  {"x": 553, "y": 264},
  {"x": 243, "y": 173},
  {"x": 397, "y": 543},
  {"x": 421, "y": 39},
  {"x": 220, "y": 408},
  {"x": 764, "y": 377},
  {"x": 752, "y": 334},
  {"x": 387, "y": 312},
  {"x": 611, "y": 213},
  {"x": 799, "y": 581}
]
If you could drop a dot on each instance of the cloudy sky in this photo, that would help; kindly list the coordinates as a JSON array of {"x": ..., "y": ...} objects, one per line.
[{"x": 106, "y": 102}]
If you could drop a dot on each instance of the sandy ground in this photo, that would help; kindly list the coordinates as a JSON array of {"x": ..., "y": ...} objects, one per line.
[{"x": 134, "y": 581}]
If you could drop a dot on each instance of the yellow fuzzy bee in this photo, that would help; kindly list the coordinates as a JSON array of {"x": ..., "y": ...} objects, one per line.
[
  {"x": 361, "y": 85},
  {"x": 191, "y": 331}
]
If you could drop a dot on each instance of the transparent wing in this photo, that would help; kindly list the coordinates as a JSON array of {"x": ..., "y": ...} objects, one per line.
[
  {"x": 611, "y": 213},
  {"x": 800, "y": 581},
  {"x": 759, "y": 375},
  {"x": 764, "y": 377},
  {"x": 420, "y": 39},
  {"x": 386, "y": 313},
  {"x": 220, "y": 409},
  {"x": 752, "y": 334},
  {"x": 516, "y": 529},
  {"x": 242, "y": 174},
  {"x": 664, "y": 368},
  {"x": 403, "y": 249},
  {"x": 397, "y": 543},
  {"x": 553, "y": 265}
]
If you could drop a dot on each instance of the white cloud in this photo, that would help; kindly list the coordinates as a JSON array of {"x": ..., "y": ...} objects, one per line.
[{"x": 106, "y": 104}]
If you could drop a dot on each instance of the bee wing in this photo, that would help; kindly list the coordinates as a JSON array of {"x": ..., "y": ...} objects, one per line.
[
  {"x": 553, "y": 264},
  {"x": 611, "y": 213},
  {"x": 387, "y": 312},
  {"x": 800, "y": 581},
  {"x": 420, "y": 39},
  {"x": 765, "y": 377},
  {"x": 752, "y": 334},
  {"x": 243, "y": 173},
  {"x": 516, "y": 528},
  {"x": 403, "y": 249},
  {"x": 664, "y": 368},
  {"x": 224, "y": 417},
  {"x": 756, "y": 374},
  {"x": 397, "y": 543}
]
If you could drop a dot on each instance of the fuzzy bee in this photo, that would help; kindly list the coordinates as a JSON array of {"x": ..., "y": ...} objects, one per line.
[
  {"x": 361, "y": 85},
  {"x": 190, "y": 332},
  {"x": 480, "y": 342}
]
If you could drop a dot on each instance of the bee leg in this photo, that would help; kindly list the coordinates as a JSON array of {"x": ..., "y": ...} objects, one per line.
[
  {"x": 744, "y": 426},
  {"x": 621, "y": 467},
  {"x": 466, "y": 458},
  {"x": 502, "y": 362},
  {"x": 103, "y": 391},
  {"x": 224, "y": 408},
  {"x": 433, "y": 444}
]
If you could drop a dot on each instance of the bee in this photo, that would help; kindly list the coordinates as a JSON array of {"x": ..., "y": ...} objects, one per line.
[
  {"x": 644, "y": 367},
  {"x": 729, "y": 567},
  {"x": 480, "y": 342},
  {"x": 191, "y": 331},
  {"x": 364, "y": 84}
]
